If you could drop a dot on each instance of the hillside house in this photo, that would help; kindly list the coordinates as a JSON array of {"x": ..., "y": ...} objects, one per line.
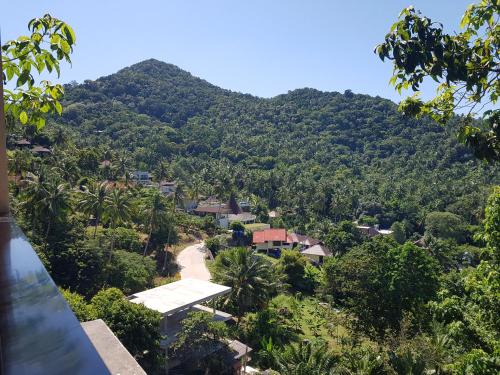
[
  {"x": 373, "y": 231},
  {"x": 302, "y": 241},
  {"x": 23, "y": 143},
  {"x": 317, "y": 253},
  {"x": 243, "y": 218},
  {"x": 168, "y": 187},
  {"x": 142, "y": 177},
  {"x": 271, "y": 239},
  {"x": 175, "y": 300},
  {"x": 40, "y": 151},
  {"x": 220, "y": 211}
]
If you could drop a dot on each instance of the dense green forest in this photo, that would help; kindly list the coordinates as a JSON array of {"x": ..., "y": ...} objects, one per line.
[
  {"x": 423, "y": 298},
  {"x": 381, "y": 305},
  {"x": 315, "y": 155}
]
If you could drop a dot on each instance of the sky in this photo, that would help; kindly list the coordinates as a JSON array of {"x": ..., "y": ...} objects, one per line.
[{"x": 261, "y": 47}]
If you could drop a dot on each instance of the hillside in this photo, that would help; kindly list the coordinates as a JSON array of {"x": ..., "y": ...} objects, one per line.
[{"x": 316, "y": 155}]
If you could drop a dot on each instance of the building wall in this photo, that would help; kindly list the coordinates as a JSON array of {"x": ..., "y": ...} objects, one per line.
[{"x": 266, "y": 246}]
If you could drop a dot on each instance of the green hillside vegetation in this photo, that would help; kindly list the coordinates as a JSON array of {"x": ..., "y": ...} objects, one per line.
[{"x": 314, "y": 155}]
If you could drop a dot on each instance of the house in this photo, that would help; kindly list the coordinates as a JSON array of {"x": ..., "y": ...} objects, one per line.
[
  {"x": 373, "y": 231},
  {"x": 317, "y": 253},
  {"x": 23, "y": 143},
  {"x": 142, "y": 177},
  {"x": 245, "y": 205},
  {"x": 115, "y": 356},
  {"x": 271, "y": 239},
  {"x": 220, "y": 211},
  {"x": 175, "y": 300},
  {"x": 168, "y": 187},
  {"x": 243, "y": 218},
  {"x": 40, "y": 150},
  {"x": 301, "y": 241}
]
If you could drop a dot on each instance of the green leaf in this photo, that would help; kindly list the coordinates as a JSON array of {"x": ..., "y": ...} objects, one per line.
[
  {"x": 58, "y": 107},
  {"x": 65, "y": 46},
  {"x": 23, "y": 117},
  {"x": 69, "y": 33}
]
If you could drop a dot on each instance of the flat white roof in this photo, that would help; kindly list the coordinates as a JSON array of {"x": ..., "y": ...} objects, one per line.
[{"x": 176, "y": 296}]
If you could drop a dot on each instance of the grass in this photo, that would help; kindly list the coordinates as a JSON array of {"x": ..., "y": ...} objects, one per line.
[
  {"x": 256, "y": 226},
  {"x": 315, "y": 320}
]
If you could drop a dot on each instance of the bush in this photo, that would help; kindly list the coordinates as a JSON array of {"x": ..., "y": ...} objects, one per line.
[{"x": 131, "y": 272}]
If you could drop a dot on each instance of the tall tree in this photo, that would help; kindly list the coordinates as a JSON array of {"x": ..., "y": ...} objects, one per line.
[
  {"x": 117, "y": 210},
  {"x": 465, "y": 65},
  {"x": 93, "y": 201},
  {"x": 155, "y": 211},
  {"x": 250, "y": 277}
]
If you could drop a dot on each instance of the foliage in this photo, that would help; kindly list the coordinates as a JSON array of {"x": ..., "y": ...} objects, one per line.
[
  {"x": 80, "y": 307},
  {"x": 27, "y": 102},
  {"x": 136, "y": 326},
  {"x": 305, "y": 359},
  {"x": 130, "y": 272},
  {"x": 198, "y": 333},
  {"x": 492, "y": 224},
  {"x": 251, "y": 278},
  {"x": 464, "y": 64},
  {"x": 380, "y": 281},
  {"x": 349, "y": 144},
  {"x": 398, "y": 232},
  {"x": 292, "y": 264},
  {"x": 445, "y": 225},
  {"x": 343, "y": 237}
]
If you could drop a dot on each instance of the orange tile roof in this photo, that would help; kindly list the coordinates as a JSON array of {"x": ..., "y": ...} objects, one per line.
[{"x": 267, "y": 235}]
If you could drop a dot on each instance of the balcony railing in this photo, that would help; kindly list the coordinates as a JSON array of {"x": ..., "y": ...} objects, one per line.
[{"x": 39, "y": 334}]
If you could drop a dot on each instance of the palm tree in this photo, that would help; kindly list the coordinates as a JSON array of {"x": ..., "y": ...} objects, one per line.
[
  {"x": 155, "y": 210},
  {"x": 93, "y": 201},
  {"x": 122, "y": 164},
  {"x": 250, "y": 277},
  {"x": 45, "y": 198},
  {"x": 161, "y": 171},
  {"x": 54, "y": 200},
  {"x": 305, "y": 359},
  {"x": 117, "y": 210}
]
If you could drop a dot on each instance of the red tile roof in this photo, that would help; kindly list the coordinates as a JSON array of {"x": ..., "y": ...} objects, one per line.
[{"x": 267, "y": 235}]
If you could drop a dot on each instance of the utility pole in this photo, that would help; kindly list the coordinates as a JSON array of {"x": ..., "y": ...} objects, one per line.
[{"x": 4, "y": 181}]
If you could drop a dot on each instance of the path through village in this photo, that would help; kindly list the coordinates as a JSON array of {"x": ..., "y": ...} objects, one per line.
[{"x": 191, "y": 261}]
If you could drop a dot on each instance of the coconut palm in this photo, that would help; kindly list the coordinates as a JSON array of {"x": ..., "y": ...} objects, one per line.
[
  {"x": 250, "y": 277},
  {"x": 93, "y": 201},
  {"x": 117, "y": 210},
  {"x": 305, "y": 359},
  {"x": 122, "y": 165},
  {"x": 54, "y": 201},
  {"x": 45, "y": 199},
  {"x": 155, "y": 210}
]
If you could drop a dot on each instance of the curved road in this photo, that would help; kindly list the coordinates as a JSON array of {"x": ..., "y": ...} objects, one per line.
[{"x": 191, "y": 261}]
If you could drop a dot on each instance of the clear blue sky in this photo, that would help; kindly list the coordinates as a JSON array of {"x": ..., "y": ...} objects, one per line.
[{"x": 262, "y": 47}]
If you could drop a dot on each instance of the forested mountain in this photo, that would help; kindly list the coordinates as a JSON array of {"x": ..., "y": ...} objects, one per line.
[{"x": 315, "y": 155}]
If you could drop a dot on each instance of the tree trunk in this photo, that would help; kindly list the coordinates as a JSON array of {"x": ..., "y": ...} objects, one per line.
[
  {"x": 112, "y": 247},
  {"x": 149, "y": 239},
  {"x": 96, "y": 224},
  {"x": 47, "y": 233}
]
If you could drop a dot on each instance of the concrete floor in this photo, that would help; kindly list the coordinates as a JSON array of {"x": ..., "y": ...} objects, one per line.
[{"x": 191, "y": 261}]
